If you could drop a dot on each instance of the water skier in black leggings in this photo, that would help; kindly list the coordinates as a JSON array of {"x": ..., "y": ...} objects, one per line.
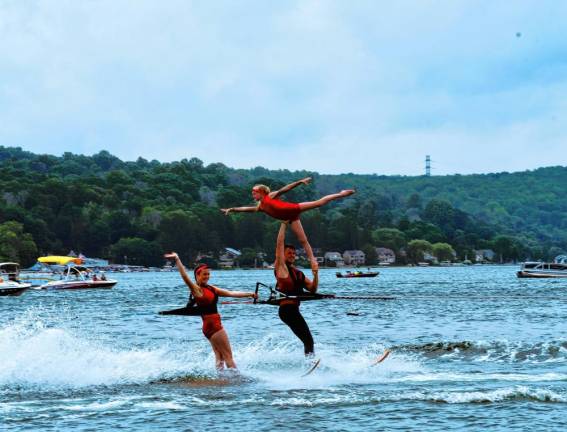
[{"x": 292, "y": 281}]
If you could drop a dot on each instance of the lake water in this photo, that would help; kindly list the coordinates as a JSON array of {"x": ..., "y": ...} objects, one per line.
[{"x": 472, "y": 347}]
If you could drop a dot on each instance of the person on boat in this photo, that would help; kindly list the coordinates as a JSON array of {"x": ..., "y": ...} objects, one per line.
[
  {"x": 206, "y": 297},
  {"x": 269, "y": 203},
  {"x": 292, "y": 281}
]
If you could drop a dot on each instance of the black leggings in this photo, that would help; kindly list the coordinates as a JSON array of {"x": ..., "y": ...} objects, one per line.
[{"x": 290, "y": 315}]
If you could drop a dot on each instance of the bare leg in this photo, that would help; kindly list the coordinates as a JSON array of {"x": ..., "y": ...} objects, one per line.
[
  {"x": 220, "y": 343},
  {"x": 218, "y": 358},
  {"x": 297, "y": 228},
  {"x": 326, "y": 199}
]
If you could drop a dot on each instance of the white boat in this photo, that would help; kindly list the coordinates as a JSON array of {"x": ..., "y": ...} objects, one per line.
[
  {"x": 79, "y": 277},
  {"x": 10, "y": 283},
  {"x": 543, "y": 270}
]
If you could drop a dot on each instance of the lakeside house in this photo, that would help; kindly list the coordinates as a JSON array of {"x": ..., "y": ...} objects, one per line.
[
  {"x": 430, "y": 258},
  {"x": 354, "y": 257},
  {"x": 334, "y": 259},
  {"x": 484, "y": 255},
  {"x": 385, "y": 255},
  {"x": 318, "y": 252},
  {"x": 228, "y": 257}
]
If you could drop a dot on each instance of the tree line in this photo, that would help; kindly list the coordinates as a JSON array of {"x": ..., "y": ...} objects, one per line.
[{"x": 134, "y": 211}]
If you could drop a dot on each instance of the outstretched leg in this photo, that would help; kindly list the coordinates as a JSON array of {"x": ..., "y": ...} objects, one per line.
[
  {"x": 322, "y": 201},
  {"x": 297, "y": 228}
]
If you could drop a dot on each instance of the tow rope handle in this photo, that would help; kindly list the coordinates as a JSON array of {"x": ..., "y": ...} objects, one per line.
[
  {"x": 256, "y": 292},
  {"x": 272, "y": 292}
]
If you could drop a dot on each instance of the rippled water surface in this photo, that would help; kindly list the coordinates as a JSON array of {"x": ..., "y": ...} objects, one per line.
[{"x": 472, "y": 347}]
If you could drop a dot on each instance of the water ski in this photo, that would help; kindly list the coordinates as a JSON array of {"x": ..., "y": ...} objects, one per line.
[
  {"x": 195, "y": 381},
  {"x": 312, "y": 368},
  {"x": 224, "y": 378},
  {"x": 381, "y": 358}
]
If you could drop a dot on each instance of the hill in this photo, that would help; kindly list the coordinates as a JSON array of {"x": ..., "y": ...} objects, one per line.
[{"x": 133, "y": 211}]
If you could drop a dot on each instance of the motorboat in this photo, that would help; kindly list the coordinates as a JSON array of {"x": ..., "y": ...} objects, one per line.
[
  {"x": 357, "y": 274},
  {"x": 543, "y": 270},
  {"x": 79, "y": 277},
  {"x": 10, "y": 284}
]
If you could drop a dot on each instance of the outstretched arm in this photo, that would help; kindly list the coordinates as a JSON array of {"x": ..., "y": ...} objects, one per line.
[
  {"x": 193, "y": 287},
  {"x": 226, "y": 211},
  {"x": 289, "y": 187},
  {"x": 281, "y": 268},
  {"x": 236, "y": 294}
]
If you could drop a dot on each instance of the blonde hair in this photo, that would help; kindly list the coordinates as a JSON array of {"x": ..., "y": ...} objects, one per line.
[{"x": 262, "y": 188}]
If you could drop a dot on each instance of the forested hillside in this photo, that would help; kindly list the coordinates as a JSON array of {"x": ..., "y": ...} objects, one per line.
[{"x": 105, "y": 207}]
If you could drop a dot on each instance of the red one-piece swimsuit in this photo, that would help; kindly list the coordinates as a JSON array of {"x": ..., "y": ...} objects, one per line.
[
  {"x": 278, "y": 209},
  {"x": 211, "y": 320}
]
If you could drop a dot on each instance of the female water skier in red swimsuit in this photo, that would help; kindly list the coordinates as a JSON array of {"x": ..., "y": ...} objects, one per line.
[
  {"x": 286, "y": 211},
  {"x": 206, "y": 297}
]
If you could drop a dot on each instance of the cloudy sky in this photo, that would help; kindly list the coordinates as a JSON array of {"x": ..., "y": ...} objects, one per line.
[{"x": 330, "y": 86}]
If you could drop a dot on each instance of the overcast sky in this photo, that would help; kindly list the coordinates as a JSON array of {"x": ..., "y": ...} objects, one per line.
[{"x": 329, "y": 86}]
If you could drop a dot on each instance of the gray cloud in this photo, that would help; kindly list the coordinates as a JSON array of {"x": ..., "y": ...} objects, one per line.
[{"x": 329, "y": 86}]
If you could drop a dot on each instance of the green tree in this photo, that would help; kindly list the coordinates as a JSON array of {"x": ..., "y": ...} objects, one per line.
[
  {"x": 414, "y": 201},
  {"x": 137, "y": 251},
  {"x": 416, "y": 250},
  {"x": 16, "y": 245},
  {"x": 249, "y": 258},
  {"x": 390, "y": 238},
  {"x": 370, "y": 253},
  {"x": 181, "y": 231},
  {"x": 443, "y": 251}
]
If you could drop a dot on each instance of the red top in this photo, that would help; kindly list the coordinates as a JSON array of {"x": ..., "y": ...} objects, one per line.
[
  {"x": 209, "y": 298},
  {"x": 279, "y": 209}
]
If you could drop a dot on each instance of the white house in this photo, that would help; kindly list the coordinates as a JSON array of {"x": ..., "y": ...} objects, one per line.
[
  {"x": 385, "y": 255},
  {"x": 228, "y": 256},
  {"x": 484, "y": 255},
  {"x": 354, "y": 257},
  {"x": 334, "y": 257}
]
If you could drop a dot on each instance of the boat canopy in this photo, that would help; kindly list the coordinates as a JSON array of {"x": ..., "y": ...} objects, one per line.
[
  {"x": 9, "y": 267},
  {"x": 59, "y": 260}
]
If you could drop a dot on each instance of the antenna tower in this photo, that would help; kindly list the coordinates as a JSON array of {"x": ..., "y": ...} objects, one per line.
[{"x": 428, "y": 166}]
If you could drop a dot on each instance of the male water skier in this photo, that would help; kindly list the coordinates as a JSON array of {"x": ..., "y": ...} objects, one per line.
[{"x": 292, "y": 281}]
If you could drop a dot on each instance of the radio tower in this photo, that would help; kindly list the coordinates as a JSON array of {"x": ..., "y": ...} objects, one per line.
[{"x": 428, "y": 166}]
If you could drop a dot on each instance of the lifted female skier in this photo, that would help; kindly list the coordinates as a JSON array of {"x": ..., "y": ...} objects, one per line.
[{"x": 286, "y": 211}]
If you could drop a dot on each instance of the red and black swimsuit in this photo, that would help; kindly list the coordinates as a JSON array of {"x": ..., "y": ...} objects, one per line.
[
  {"x": 279, "y": 209},
  {"x": 292, "y": 285},
  {"x": 207, "y": 304},
  {"x": 289, "y": 308}
]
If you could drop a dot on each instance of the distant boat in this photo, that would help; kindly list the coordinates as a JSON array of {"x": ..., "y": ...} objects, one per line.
[
  {"x": 356, "y": 274},
  {"x": 10, "y": 284},
  {"x": 542, "y": 270},
  {"x": 79, "y": 277}
]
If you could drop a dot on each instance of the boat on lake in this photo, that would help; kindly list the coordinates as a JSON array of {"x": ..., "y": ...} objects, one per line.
[
  {"x": 357, "y": 274},
  {"x": 543, "y": 270},
  {"x": 10, "y": 284},
  {"x": 79, "y": 277}
]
